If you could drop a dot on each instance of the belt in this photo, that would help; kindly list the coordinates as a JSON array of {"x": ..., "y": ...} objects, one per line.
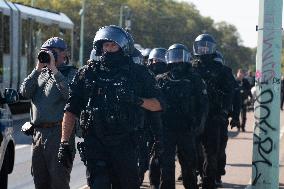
[{"x": 49, "y": 124}]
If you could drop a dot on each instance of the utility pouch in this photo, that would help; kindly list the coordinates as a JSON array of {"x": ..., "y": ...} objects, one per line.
[{"x": 28, "y": 129}]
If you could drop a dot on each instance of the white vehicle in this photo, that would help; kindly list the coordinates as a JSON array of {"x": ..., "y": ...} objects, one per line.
[
  {"x": 23, "y": 29},
  {"x": 7, "y": 143}
]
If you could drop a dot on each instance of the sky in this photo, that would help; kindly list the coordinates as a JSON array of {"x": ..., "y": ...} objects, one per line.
[{"x": 241, "y": 13}]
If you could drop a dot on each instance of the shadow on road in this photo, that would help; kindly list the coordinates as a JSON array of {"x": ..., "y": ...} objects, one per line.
[
  {"x": 239, "y": 165},
  {"x": 229, "y": 185},
  {"x": 241, "y": 138},
  {"x": 232, "y": 134}
]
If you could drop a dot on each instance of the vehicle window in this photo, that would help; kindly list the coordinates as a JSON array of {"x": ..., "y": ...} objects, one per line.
[
  {"x": 6, "y": 31},
  {"x": 1, "y": 47}
]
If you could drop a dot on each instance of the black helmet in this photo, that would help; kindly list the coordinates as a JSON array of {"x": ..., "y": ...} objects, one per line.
[
  {"x": 178, "y": 53},
  {"x": 219, "y": 57},
  {"x": 137, "y": 57},
  {"x": 116, "y": 34},
  {"x": 157, "y": 53},
  {"x": 93, "y": 56},
  {"x": 204, "y": 44},
  {"x": 54, "y": 42}
]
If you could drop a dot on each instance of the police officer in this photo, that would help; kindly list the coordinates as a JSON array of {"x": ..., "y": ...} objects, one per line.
[
  {"x": 145, "y": 133},
  {"x": 220, "y": 90},
  {"x": 157, "y": 64},
  {"x": 137, "y": 57},
  {"x": 145, "y": 54},
  {"x": 244, "y": 88},
  {"x": 110, "y": 97},
  {"x": 47, "y": 87},
  {"x": 156, "y": 61},
  {"x": 184, "y": 117},
  {"x": 234, "y": 114}
]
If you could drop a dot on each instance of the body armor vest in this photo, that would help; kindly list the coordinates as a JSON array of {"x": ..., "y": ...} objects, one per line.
[{"x": 109, "y": 118}]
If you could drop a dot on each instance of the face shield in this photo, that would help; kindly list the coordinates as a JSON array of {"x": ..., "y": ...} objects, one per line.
[
  {"x": 177, "y": 55},
  {"x": 116, "y": 34},
  {"x": 204, "y": 48},
  {"x": 158, "y": 55}
]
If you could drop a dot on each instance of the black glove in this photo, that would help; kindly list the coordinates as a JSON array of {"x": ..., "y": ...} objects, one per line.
[
  {"x": 65, "y": 155},
  {"x": 128, "y": 96},
  {"x": 235, "y": 123}
]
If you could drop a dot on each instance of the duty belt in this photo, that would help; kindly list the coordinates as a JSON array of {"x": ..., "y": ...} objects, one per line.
[{"x": 49, "y": 124}]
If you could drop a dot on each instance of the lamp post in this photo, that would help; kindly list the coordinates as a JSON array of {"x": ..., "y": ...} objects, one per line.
[
  {"x": 121, "y": 16},
  {"x": 82, "y": 14}
]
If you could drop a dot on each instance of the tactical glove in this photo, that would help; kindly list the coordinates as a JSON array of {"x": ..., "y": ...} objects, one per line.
[
  {"x": 65, "y": 155},
  {"x": 128, "y": 96},
  {"x": 235, "y": 123}
]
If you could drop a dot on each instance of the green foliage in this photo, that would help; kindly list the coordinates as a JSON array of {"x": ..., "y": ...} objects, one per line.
[{"x": 155, "y": 23}]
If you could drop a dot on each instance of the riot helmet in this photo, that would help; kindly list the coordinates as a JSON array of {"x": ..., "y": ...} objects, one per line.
[
  {"x": 158, "y": 54},
  {"x": 219, "y": 57},
  {"x": 116, "y": 34},
  {"x": 178, "y": 53},
  {"x": 156, "y": 61},
  {"x": 204, "y": 44},
  {"x": 137, "y": 57}
]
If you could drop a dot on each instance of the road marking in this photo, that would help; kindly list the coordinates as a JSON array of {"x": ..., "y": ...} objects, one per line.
[{"x": 19, "y": 146}]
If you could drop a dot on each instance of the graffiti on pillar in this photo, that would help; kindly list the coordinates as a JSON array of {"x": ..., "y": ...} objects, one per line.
[
  {"x": 265, "y": 77},
  {"x": 264, "y": 145},
  {"x": 267, "y": 74}
]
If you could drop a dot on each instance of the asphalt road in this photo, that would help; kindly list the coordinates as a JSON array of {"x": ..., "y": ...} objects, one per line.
[
  {"x": 21, "y": 176},
  {"x": 238, "y": 168}
]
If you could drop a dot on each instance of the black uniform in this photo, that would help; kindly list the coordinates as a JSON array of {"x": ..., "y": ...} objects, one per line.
[
  {"x": 110, "y": 121},
  {"x": 220, "y": 90},
  {"x": 244, "y": 88},
  {"x": 224, "y": 128},
  {"x": 157, "y": 67},
  {"x": 183, "y": 120}
]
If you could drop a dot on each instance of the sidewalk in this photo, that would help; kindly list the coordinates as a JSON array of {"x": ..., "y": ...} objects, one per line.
[{"x": 239, "y": 158}]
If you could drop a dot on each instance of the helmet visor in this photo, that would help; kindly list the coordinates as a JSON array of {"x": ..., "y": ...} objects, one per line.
[
  {"x": 204, "y": 47},
  {"x": 177, "y": 55},
  {"x": 158, "y": 55}
]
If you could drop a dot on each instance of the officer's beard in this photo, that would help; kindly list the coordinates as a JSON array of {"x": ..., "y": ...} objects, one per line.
[
  {"x": 112, "y": 60},
  {"x": 158, "y": 68},
  {"x": 178, "y": 70}
]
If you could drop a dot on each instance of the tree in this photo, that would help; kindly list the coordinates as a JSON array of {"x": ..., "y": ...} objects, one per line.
[{"x": 155, "y": 23}]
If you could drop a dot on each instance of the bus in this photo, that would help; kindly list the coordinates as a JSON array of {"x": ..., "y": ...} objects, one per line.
[{"x": 23, "y": 29}]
